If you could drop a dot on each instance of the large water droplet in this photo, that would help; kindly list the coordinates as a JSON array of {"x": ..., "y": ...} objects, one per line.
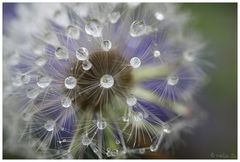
[
  {"x": 172, "y": 80},
  {"x": 44, "y": 81},
  {"x": 66, "y": 102},
  {"x": 106, "y": 81},
  {"x": 86, "y": 65},
  {"x": 82, "y": 54},
  {"x": 86, "y": 140},
  {"x": 101, "y": 124},
  {"x": 106, "y": 45},
  {"x": 159, "y": 16},
  {"x": 70, "y": 82},
  {"x": 131, "y": 100},
  {"x": 156, "y": 53},
  {"x": 49, "y": 125},
  {"x": 137, "y": 28},
  {"x": 135, "y": 62},
  {"x": 114, "y": 17},
  {"x": 94, "y": 28},
  {"x": 33, "y": 92},
  {"x": 73, "y": 32},
  {"x": 61, "y": 53}
]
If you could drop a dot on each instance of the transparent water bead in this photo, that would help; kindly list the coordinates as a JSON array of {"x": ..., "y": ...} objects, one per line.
[
  {"x": 156, "y": 53},
  {"x": 125, "y": 118},
  {"x": 70, "y": 82},
  {"x": 114, "y": 152},
  {"x": 41, "y": 60},
  {"x": 66, "y": 102},
  {"x": 141, "y": 151},
  {"x": 86, "y": 65},
  {"x": 44, "y": 81},
  {"x": 82, "y": 54},
  {"x": 61, "y": 53},
  {"x": 159, "y": 16},
  {"x": 73, "y": 32},
  {"x": 106, "y": 45},
  {"x": 33, "y": 92},
  {"x": 189, "y": 56},
  {"x": 49, "y": 125},
  {"x": 137, "y": 28},
  {"x": 138, "y": 116},
  {"x": 117, "y": 142},
  {"x": 26, "y": 78},
  {"x": 135, "y": 62},
  {"x": 131, "y": 100},
  {"x": 114, "y": 17},
  {"x": 86, "y": 140},
  {"x": 106, "y": 81},
  {"x": 166, "y": 129},
  {"x": 94, "y": 28},
  {"x": 19, "y": 80},
  {"x": 101, "y": 124},
  {"x": 172, "y": 80}
]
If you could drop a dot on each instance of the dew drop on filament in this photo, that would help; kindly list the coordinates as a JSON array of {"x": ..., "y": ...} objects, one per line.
[
  {"x": 94, "y": 28},
  {"x": 70, "y": 82},
  {"x": 137, "y": 28}
]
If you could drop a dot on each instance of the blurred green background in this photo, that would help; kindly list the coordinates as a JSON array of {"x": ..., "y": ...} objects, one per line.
[{"x": 216, "y": 137}]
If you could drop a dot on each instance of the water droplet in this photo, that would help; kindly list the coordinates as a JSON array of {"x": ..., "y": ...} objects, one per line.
[
  {"x": 39, "y": 49},
  {"x": 73, "y": 32},
  {"x": 70, "y": 82},
  {"x": 131, "y": 100},
  {"x": 138, "y": 116},
  {"x": 135, "y": 62},
  {"x": 44, "y": 81},
  {"x": 114, "y": 152},
  {"x": 49, "y": 125},
  {"x": 156, "y": 53},
  {"x": 66, "y": 102},
  {"x": 41, "y": 60},
  {"x": 117, "y": 142},
  {"x": 101, "y": 124},
  {"x": 172, "y": 80},
  {"x": 26, "y": 78},
  {"x": 61, "y": 53},
  {"x": 86, "y": 140},
  {"x": 125, "y": 118},
  {"x": 86, "y": 65},
  {"x": 94, "y": 28},
  {"x": 142, "y": 151},
  {"x": 137, "y": 28},
  {"x": 106, "y": 45},
  {"x": 17, "y": 81},
  {"x": 33, "y": 92},
  {"x": 106, "y": 81},
  {"x": 153, "y": 148},
  {"x": 82, "y": 54},
  {"x": 114, "y": 17},
  {"x": 27, "y": 116},
  {"x": 159, "y": 16},
  {"x": 166, "y": 129},
  {"x": 189, "y": 56}
]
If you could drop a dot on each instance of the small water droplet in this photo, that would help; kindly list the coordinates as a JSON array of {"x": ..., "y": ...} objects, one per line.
[
  {"x": 114, "y": 152},
  {"x": 61, "y": 53},
  {"x": 33, "y": 92},
  {"x": 86, "y": 65},
  {"x": 86, "y": 140},
  {"x": 66, "y": 102},
  {"x": 94, "y": 28},
  {"x": 82, "y": 54},
  {"x": 135, "y": 62},
  {"x": 166, "y": 129},
  {"x": 106, "y": 45},
  {"x": 137, "y": 28},
  {"x": 106, "y": 81},
  {"x": 153, "y": 148},
  {"x": 114, "y": 17},
  {"x": 159, "y": 16},
  {"x": 142, "y": 151},
  {"x": 41, "y": 60},
  {"x": 26, "y": 78},
  {"x": 117, "y": 142},
  {"x": 49, "y": 125},
  {"x": 101, "y": 124},
  {"x": 73, "y": 32},
  {"x": 138, "y": 116},
  {"x": 17, "y": 81},
  {"x": 131, "y": 100},
  {"x": 44, "y": 81},
  {"x": 70, "y": 82},
  {"x": 125, "y": 118},
  {"x": 156, "y": 53},
  {"x": 172, "y": 80},
  {"x": 189, "y": 56},
  {"x": 27, "y": 116}
]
